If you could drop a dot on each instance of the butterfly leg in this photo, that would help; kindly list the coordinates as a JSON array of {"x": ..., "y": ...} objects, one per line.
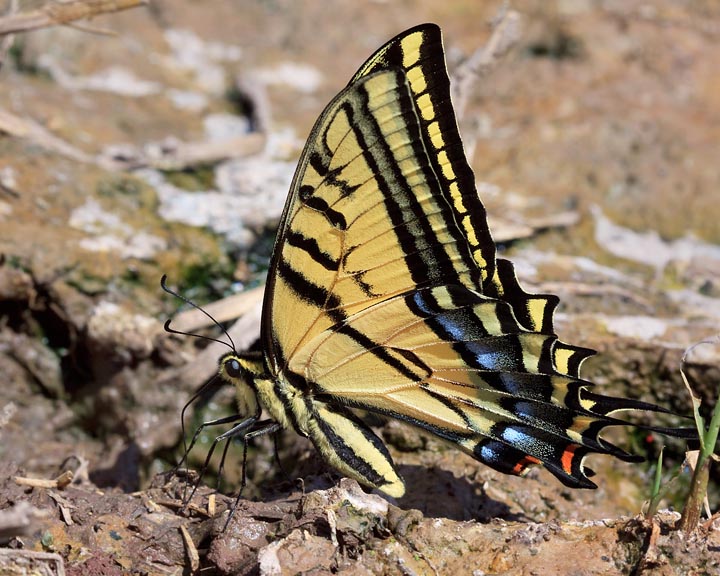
[
  {"x": 237, "y": 430},
  {"x": 218, "y": 422},
  {"x": 260, "y": 428}
]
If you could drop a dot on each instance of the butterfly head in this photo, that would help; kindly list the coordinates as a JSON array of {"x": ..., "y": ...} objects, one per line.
[
  {"x": 231, "y": 367},
  {"x": 242, "y": 371}
]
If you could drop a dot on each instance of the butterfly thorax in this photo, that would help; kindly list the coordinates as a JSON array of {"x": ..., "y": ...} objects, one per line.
[
  {"x": 255, "y": 388},
  {"x": 340, "y": 436}
]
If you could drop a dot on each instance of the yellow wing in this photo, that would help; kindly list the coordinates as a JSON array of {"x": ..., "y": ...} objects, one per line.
[{"x": 384, "y": 293}]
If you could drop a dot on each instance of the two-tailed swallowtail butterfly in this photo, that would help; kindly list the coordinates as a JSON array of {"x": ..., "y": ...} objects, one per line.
[{"x": 385, "y": 294}]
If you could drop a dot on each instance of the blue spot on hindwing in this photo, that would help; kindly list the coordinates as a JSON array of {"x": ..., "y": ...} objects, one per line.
[{"x": 489, "y": 356}]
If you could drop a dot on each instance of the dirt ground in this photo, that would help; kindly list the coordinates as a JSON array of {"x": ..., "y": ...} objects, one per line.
[{"x": 167, "y": 147}]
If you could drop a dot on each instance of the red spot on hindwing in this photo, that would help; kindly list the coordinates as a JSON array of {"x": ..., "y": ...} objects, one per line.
[
  {"x": 524, "y": 463},
  {"x": 567, "y": 458}
]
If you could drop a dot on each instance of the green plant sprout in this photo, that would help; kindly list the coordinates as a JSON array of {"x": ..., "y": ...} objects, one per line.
[
  {"x": 708, "y": 438},
  {"x": 656, "y": 494}
]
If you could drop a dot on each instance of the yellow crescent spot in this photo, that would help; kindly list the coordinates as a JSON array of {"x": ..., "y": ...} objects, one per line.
[
  {"x": 562, "y": 359},
  {"x": 411, "y": 49},
  {"x": 436, "y": 136},
  {"x": 425, "y": 105},
  {"x": 447, "y": 168},
  {"x": 457, "y": 198},
  {"x": 470, "y": 231},
  {"x": 417, "y": 80}
]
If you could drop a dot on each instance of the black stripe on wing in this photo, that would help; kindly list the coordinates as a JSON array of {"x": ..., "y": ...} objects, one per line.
[
  {"x": 425, "y": 258},
  {"x": 420, "y": 53}
]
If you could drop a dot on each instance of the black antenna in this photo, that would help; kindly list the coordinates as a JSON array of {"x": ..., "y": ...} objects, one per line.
[{"x": 164, "y": 286}]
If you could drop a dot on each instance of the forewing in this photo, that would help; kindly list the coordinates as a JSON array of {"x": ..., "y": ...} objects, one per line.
[
  {"x": 365, "y": 221},
  {"x": 420, "y": 53}
]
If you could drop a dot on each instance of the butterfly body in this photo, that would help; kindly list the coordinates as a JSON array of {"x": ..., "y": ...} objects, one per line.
[{"x": 384, "y": 294}]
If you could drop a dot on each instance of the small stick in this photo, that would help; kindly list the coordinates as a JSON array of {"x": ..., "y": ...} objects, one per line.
[
  {"x": 55, "y": 14},
  {"x": 506, "y": 32},
  {"x": 60, "y": 482},
  {"x": 191, "y": 550}
]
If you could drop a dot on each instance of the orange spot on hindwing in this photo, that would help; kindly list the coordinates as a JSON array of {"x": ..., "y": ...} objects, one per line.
[
  {"x": 567, "y": 458},
  {"x": 522, "y": 465}
]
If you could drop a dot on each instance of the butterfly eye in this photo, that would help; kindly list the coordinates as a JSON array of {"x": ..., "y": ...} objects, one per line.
[{"x": 232, "y": 368}]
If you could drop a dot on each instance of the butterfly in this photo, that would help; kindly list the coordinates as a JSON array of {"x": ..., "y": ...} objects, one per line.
[{"x": 385, "y": 294}]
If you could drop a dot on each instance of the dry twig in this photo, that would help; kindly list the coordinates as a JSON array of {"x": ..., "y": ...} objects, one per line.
[
  {"x": 60, "y": 482},
  {"x": 7, "y": 42},
  {"x": 56, "y": 13},
  {"x": 190, "y": 549},
  {"x": 14, "y": 561},
  {"x": 223, "y": 310},
  {"x": 173, "y": 154},
  {"x": 505, "y": 33},
  {"x": 35, "y": 133},
  {"x": 178, "y": 156}
]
